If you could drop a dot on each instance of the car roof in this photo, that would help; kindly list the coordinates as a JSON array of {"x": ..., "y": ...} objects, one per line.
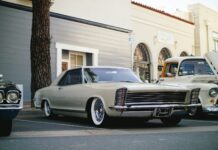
[
  {"x": 180, "y": 59},
  {"x": 109, "y": 67}
]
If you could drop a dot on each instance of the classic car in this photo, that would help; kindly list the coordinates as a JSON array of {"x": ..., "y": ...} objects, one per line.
[
  {"x": 102, "y": 92},
  {"x": 196, "y": 72},
  {"x": 10, "y": 105}
]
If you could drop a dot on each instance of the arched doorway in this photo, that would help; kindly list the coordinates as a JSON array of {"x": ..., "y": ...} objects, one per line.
[
  {"x": 183, "y": 54},
  {"x": 164, "y": 54},
  {"x": 142, "y": 62}
]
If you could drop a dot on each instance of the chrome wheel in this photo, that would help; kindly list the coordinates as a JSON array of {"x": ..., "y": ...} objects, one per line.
[
  {"x": 47, "y": 109},
  {"x": 97, "y": 112}
]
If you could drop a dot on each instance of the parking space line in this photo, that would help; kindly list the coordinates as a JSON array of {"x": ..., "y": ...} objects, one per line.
[
  {"x": 100, "y": 132},
  {"x": 201, "y": 121},
  {"x": 53, "y": 123}
]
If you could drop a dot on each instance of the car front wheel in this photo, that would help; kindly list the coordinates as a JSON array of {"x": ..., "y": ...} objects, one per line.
[
  {"x": 97, "y": 112},
  {"x": 171, "y": 121},
  {"x": 47, "y": 110},
  {"x": 5, "y": 127}
]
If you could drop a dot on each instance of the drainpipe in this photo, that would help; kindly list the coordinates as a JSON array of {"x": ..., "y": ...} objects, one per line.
[
  {"x": 207, "y": 35},
  {"x": 131, "y": 40}
]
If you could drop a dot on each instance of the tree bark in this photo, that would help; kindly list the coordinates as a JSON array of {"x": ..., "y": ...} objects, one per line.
[{"x": 40, "y": 46}]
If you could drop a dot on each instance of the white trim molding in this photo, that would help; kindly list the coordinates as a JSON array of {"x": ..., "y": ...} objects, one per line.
[{"x": 61, "y": 46}]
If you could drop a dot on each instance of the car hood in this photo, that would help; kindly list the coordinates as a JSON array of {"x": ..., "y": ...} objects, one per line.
[
  {"x": 138, "y": 86},
  {"x": 204, "y": 79}
]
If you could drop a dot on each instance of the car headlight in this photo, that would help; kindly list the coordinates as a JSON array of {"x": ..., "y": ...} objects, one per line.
[
  {"x": 1, "y": 97},
  {"x": 12, "y": 97},
  {"x": 213, "y": 92}
]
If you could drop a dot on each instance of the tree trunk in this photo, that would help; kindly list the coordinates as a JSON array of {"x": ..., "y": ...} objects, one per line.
[{"x": 40, "y": 46}]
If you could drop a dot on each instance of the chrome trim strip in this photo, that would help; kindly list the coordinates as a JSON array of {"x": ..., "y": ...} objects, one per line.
[
  {"x": 153, "y": 106},
  {"x": 155, "y": 103}
]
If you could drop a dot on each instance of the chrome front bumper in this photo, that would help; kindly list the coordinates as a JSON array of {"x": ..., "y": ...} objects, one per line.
[
  {"x": 211, "y": 109},
  {"x": 154, "y": 111},
  {"x": 146, "y": 107}
]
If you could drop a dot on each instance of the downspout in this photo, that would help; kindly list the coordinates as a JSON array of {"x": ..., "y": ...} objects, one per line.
[{"x": 207, "y": 34}]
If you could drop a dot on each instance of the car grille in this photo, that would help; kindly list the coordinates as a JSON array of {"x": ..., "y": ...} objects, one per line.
[{"x": 154, "y": 97}]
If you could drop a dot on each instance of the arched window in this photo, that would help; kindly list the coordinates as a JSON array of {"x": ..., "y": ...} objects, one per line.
[
  {"x": 142, "y": 62},
  {"x": 183, "y": 54}
]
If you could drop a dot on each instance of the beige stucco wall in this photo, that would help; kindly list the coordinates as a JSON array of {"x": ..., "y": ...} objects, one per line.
[
  {"x": 110, "y": 12},
  {"x": 148, "y": 26},
  {"x": 206, "y": 23}
]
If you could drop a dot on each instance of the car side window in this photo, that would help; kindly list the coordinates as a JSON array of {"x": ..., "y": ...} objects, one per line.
[
  {"x": 171, "y": 69},
  {"x": 71, "y": 77}
]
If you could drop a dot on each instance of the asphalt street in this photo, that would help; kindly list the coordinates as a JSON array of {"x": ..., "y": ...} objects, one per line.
[{"x": 32, "y": 131}]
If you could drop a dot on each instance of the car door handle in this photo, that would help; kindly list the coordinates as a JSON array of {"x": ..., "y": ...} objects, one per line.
[{"x": 59, "y": 88}]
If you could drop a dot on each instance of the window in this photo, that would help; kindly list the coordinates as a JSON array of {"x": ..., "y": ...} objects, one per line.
[
  {"x": 76, "y": 60},
  {"x": 193, "y": 67},
  {"x": 71, "y": 77},
  {"x": 71, "y": 59},
  {"x": 171, "y": 70},
  {"x": 95, "y": 75},
  {"x": 90, "y": 56}
]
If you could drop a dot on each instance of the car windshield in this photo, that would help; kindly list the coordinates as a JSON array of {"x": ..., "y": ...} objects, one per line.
[
  {"x": 95, "y": 75},
  {"x": 195, "y": 67}
]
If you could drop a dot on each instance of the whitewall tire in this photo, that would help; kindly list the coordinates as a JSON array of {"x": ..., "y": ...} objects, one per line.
[
  {"x": 97, "y": 112},
  {"x": 47, "y": 109}
]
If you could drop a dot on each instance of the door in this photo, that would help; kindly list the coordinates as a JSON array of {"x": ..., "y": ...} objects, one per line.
[{"x": 69, "y": 91}]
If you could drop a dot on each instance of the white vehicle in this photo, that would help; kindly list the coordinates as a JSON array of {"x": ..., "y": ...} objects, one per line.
[
  {"x": 102, "y": 92},
  {"x": 195, "y": 72}
]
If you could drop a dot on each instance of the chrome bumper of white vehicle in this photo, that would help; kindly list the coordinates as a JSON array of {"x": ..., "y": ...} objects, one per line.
[
  {"x": 211, "y": 109},
  {"x": 154, "y": 110}
]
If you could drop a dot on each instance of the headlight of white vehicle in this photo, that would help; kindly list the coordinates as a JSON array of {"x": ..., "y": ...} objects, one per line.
[
  {"x": 1, "y": 97},
  {"x": 213, "y": 92},
  {"x": 12, "y": 97}
]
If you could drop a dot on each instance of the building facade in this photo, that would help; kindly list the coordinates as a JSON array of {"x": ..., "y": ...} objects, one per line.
[
  {"x": 157, "y": 36},
  {"x": 206, "y": 28},
  {"x": 94, "y": 32}
]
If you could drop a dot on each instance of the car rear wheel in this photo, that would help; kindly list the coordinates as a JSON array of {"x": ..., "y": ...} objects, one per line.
[
  {"x": 47, "y": 109},
  {"x": 171, "y": 121},
  {"x": 5, "y": 127},
  {"x": 97, "y": 112}
]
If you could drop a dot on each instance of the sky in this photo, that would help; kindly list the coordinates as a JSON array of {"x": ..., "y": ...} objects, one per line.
[{"x": 170, "y": 6}]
